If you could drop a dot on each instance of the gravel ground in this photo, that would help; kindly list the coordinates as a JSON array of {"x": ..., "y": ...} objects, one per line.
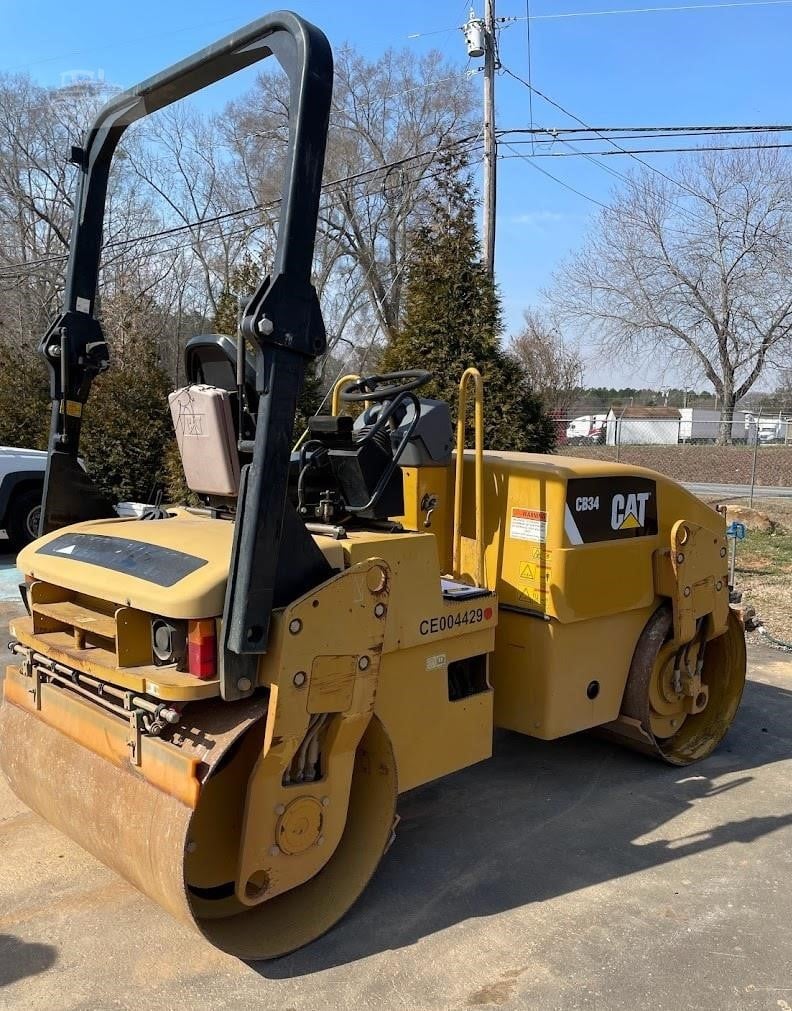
[{"x": 701, "y": 464}]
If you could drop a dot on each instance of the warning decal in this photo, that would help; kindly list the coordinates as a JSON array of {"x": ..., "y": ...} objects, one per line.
[
  {"x": 534, "y": 581},
  {"x": 528, "y": 525}
]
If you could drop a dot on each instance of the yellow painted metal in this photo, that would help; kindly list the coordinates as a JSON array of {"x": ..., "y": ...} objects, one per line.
[
  {"x": 424, "y": 633},
  {"x": 572, "y": 614},
  {"x": 356, "y": 686},
  {"x": 433, "y": 737},
  {"x": 68, "y": 614},
  {"x": 136, "y": 819},
  {"x": 344, "y": 619},
  {"x": 723, "y": 679},
  {"x": 435, "y": 486},
  {"x": 164, "y": 683},
  {"x": 166, "y": 768},
  {"x": 331, "y": 684},
  {"x": 419, "y": 614},
  {"x": 197, "y": 595},
  {"x": 122, "y": 631},
  {"x": 297, "y": 917},
  {"x": 468, "y": 376},
  {"x": 693, "y": 573},
  {"x": 662, "y": 718},
  {"x": 133, "y": 638},
  {"x": 335, "y": 403},
  {"x": 542, "y": 669},
  {"x": 255, "y": 832}
]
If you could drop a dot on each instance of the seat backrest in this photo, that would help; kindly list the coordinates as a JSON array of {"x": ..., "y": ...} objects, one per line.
[{"x": 205, "y": 435}]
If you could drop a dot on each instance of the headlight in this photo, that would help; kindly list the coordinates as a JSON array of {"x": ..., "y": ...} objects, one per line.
[{"x": 168, "y": 642}]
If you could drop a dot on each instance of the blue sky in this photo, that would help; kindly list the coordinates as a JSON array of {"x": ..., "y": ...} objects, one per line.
[{"x": 718, "y": 66}]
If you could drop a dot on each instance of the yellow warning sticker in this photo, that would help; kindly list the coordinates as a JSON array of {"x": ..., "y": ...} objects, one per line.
[
  {"x": 532, "y": 595},
  {"x": 534, "y": 575}
]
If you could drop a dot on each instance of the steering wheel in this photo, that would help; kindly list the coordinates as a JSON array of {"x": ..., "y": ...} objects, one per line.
[{"x": 388, "y": 386}]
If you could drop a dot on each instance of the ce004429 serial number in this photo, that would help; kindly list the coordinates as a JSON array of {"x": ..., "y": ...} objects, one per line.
[{"x": 447, "y": 622}]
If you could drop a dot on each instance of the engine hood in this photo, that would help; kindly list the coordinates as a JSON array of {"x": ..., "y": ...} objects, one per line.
[{"x": 177, "y": 567}]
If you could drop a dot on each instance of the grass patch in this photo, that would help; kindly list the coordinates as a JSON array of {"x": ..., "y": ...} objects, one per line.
[{"x": 764, "y": 574}]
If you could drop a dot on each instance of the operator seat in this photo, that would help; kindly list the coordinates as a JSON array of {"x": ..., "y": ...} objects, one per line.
[
  {"x": 204, "y": 425},
  {"x": 206, "y": 415}
]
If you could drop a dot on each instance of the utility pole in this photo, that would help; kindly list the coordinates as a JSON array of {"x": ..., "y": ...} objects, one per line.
[
  {"x": 481, "y": 41},
  {"x": 490, "y": 140}
]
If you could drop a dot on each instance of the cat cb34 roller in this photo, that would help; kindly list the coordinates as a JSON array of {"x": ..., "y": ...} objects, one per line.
[{"x": 224, "y": 703}]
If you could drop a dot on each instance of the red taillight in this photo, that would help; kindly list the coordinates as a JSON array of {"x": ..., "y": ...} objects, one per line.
[{"x": 202, "y": 649}]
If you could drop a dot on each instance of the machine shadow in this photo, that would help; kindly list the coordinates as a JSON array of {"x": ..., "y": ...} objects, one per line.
[
  {"x": 541, "y": 820},
  {"x": 19, "y": 959}
]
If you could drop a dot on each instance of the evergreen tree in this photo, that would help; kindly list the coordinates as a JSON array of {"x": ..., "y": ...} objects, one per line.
[
  {"x": 453, "y": 320},
  {"x": 127, "y": 430},
  {"x": 24, "y": 398}
]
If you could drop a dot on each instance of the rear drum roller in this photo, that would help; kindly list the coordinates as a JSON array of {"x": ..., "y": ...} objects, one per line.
[{"x": 659, "y": 719}]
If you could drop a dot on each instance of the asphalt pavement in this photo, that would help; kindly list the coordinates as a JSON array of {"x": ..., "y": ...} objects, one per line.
[
  {"x": 738, "y": 491},
  {"x": 563, "y": 875}
]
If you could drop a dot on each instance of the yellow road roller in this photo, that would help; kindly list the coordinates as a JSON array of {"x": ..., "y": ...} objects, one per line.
[{"x": 223, "y": 703}]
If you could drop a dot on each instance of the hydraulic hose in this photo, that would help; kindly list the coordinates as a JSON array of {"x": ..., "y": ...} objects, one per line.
[{"x": 776, "y": 642}]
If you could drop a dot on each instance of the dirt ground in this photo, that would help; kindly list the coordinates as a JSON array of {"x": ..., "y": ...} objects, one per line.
[
  {"x": 701, "y": 464},
  {"x": 764, "y": 565}
]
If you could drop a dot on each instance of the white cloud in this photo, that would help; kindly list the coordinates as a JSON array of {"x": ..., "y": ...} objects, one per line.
[{"x": 536, "y": 219}]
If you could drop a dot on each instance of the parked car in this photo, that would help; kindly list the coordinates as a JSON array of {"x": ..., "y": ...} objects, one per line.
[{"x": 21, "y": 487}]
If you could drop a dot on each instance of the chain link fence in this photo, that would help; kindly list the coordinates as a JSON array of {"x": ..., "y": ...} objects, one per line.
[{"x": 749, "y": 457}]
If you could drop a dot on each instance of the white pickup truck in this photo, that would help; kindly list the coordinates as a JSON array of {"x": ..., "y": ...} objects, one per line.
[{"x": 21, "y": 487}]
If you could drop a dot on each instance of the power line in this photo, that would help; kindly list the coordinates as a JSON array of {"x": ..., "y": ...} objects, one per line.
[
  {"x": 696, "y": 149},
  {"x": 656, "y": 10},
  {"x": 652, "y": 168},
  {"x": 528, "y": 47},
  {"x": 585, "y": 196},
  {"x": 569, "y": 15},
  {"x": 605, "y": 137},
  {"x": 637, "y": 132},
  {"x": 8, "y": 270},
  {"x": 561, "y": 182}
]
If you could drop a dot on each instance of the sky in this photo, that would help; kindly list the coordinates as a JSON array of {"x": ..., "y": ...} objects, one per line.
[{"x": 707, "y": 66}]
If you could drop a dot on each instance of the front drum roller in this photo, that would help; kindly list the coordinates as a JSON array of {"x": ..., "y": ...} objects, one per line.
[
  {"x": 186, "y": 858},
  {"x": 656, "y": 718}
]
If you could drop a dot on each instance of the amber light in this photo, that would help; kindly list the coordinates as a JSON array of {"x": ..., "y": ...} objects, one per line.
[{"x": 202, "y": 648}]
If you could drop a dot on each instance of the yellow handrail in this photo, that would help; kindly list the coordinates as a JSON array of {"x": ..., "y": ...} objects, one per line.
[
  {"x": 335, "y": 403},
  {"x": 478, "y": 427}
]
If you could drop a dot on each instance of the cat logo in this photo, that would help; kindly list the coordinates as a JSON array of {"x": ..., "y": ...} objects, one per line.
[
  {"x": 609, "y": 508},
  {"x": 628, "y": 512}
]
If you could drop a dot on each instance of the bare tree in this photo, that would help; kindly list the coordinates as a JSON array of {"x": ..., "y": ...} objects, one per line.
[
  {"x": 193, "y": 195},
  {"x": 384, "y": 111},
  {"x": 554, "y": 367},
  {"x": 694, "y": 273},
  {"x": 37, "y": 127},
  {"x": 183, "y": 159}
]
